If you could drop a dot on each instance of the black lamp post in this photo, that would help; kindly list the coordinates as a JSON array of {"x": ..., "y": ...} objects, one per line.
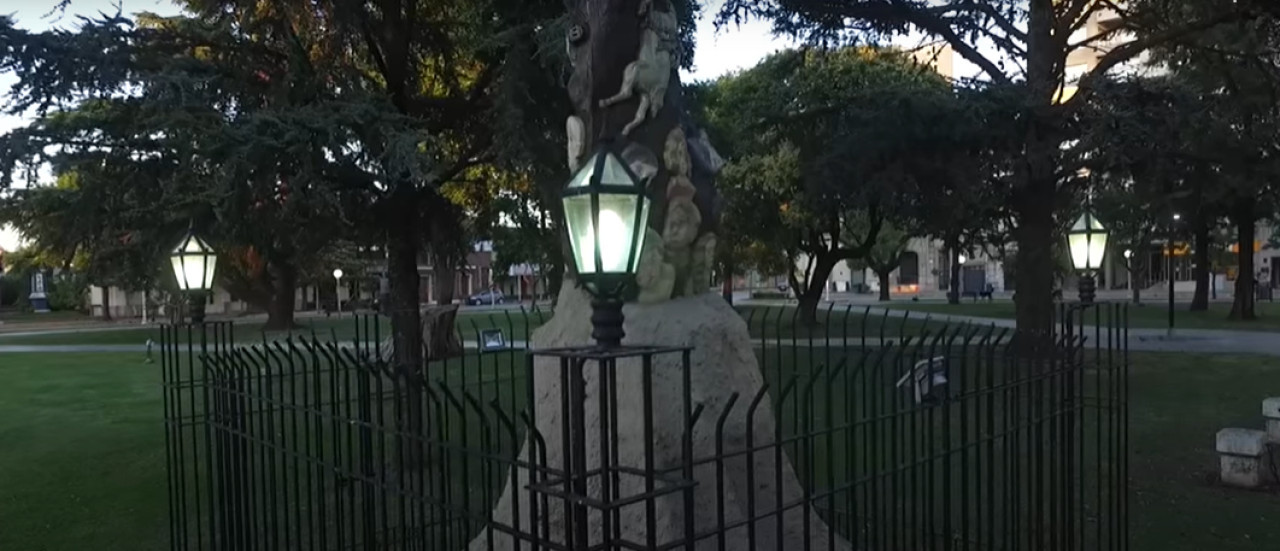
[
  {"x": 1172, "y": 281},
  {"x": 1087, "y": 240},
  {"x": 193, "y": 266},
  {"x": 606, "y": 211}
]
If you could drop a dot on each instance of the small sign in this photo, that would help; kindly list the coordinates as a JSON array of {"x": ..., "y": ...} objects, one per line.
[
  {"x": 928, "y": 379},
  {"x": 492, "y": 340}
]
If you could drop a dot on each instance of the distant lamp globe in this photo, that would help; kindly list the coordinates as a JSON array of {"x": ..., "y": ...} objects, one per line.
[
  {"x": 606, "y": 211},
  {"x": 337, "y": 290},
  {"x": 1087, "y": 241},
  {"x": 194, "y": 263}
]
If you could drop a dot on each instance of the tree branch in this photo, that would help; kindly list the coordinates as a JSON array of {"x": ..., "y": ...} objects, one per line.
[
  {"x": 1075, "y": 16},
  {"x": 1132, "y": 49},
  {"x": 1004, "y": 23},
  {"x": 863, "y": 249},
  {"x": 926, "y": 18}
]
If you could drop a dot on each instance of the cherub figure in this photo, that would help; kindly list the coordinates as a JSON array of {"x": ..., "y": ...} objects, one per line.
[{"x": 649, "y": 75}]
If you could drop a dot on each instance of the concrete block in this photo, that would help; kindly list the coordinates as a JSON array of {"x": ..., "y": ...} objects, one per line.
[
  {"x": 1271, "y": 408},
  {"x": 1271, "y": 412},
  {"x": 1240, "y": 454}
]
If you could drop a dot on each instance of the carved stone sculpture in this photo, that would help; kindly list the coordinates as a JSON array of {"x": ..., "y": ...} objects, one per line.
[
  {"x": 641, "y": 160},
  {"x": 680, "y": 188},
  {"x": 701, "y": 262},
  {"x": 676, "y": 153},
  {"x": 649, "y": 75},
  {"x": 677, "y": 159},
  {"x": 654, "y": 277},
  {"x": 577, "y": 142},
  {"x": 705, "y": 154},
  {"x": 683, "y": 220}
]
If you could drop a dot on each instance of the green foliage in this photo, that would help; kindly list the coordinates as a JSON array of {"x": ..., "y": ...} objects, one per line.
[
  {"x": 11, "y": 289},
  {"x": 1141, "y": 133},
  {"x": 530, "y": 239},
  {"x": 1223, "y": 149},
  {"x": 1021, "y": 49},
  {"x": 189, "y": 119},
  {"x": 67, "y": 292},
  {"x": 829, "y": 148},
  {"x": 887, "y": 253}
]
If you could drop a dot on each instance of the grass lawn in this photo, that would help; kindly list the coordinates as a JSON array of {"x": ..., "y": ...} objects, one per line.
[
  {"x": 1178, "y": 403},
  {"x": 1149, "y": 315},
  {"x": 469, "y": 325},
  {"x": 82, "y": 465},
  {"x": 83, "y": 462},
  {"x": 17, "y": 317},
  {"x": 767, "y": 322}
]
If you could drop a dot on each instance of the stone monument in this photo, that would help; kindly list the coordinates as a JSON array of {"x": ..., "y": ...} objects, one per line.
[
  {"x": 625, "y": 85},
  {"x": 38, "y": 298}
]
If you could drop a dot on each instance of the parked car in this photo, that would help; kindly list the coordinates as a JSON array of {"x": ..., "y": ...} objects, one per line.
[{"x": 491, "y": 296}]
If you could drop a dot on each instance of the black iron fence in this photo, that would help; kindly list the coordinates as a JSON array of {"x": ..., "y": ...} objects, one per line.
[{"x": 865, "y": 432}]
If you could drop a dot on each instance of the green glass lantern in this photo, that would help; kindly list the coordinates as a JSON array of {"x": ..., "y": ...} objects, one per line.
[{"x": 606, "y": 212}]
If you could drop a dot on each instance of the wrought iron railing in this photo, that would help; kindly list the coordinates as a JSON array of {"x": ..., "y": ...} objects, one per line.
[{"x": 868, "y": 432}]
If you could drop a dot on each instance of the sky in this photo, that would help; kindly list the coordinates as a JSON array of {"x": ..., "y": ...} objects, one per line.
[{"x": 719, "y": 51}]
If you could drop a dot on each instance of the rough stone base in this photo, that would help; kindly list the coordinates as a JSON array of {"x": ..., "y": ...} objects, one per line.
[
  {"x": 723, "y": 362},
  {"x": 1241, "y": 452}
]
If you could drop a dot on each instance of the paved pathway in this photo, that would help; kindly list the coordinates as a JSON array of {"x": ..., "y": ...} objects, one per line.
[
  {"x": 1204, "y": 342},
  {"x": 1183, "y": 340},
  {"x": 1213, "y": 341},
  {"x": 72, "y": 348}
]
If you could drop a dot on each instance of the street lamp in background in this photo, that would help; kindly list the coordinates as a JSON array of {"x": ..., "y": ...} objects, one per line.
[
  {"x": 337, "y": 289},
  {"x": 606, "y": 211},
  {"x": 194, "y": 263},
  {"x": 1172, "y": 228},
  {"x": 1087, "y": 240}
]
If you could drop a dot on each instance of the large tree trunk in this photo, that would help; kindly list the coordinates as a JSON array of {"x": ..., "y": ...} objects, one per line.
[
  {"x": 1200, "y": 301},
  {"x": 814, "y": 288},
  {"x": 406, "y": 329},
  {"x": 1035, "y": 266},
  {"x": 280, "y": 310},
  {"x": 1245, "y": 220},
  {"x": 106, "y": 303},
  {"x": 884, "y": 283},
  {"x": 808, "y": 306},
  {"x": 1134, "y": 288},
  {"x": 727, "y": 288},
  {"x": 1035, "y": 200},
  {"x": 402, "y": 273},
  {"x": 953, "y": 293}
]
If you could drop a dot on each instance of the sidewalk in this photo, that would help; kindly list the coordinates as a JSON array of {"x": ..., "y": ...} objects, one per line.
[
  {"x": 43, "y": 327},
  {"x": 1206, "y": 341},
  {"x": 29, "y": 326},
  {"x": 1144, "y": 340}
]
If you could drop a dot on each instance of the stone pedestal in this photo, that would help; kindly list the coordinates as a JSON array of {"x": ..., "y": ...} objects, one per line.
[
  {"x": 723, "y": 363},
  {"x": 1271, "y": 414},
  {"x": 1241, "y": 453},
  {"x": 38, "y": 300}
]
